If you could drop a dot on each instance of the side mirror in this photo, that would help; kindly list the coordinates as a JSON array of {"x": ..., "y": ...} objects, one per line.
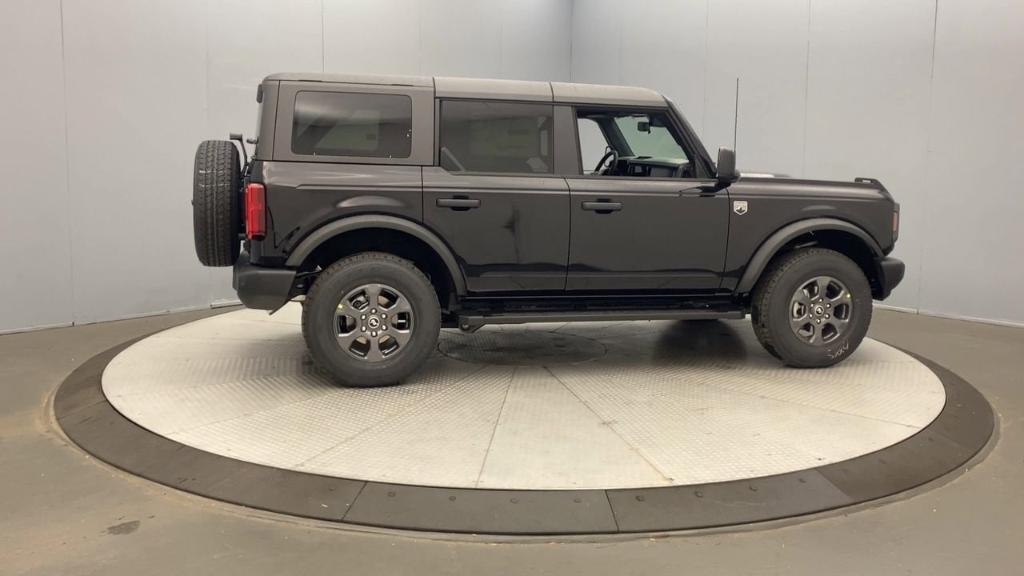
[{"x": 727, "y": 166}]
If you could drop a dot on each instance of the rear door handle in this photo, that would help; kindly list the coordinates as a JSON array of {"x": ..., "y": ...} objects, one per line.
[
  {"x": 602, "y": 206},
  {"x": 458, "y": 203}
]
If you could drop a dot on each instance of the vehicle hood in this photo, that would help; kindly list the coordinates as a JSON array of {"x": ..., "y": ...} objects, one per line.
[
  {"x": 778, "y": 184},
  {"x": 759, "y": 174}
]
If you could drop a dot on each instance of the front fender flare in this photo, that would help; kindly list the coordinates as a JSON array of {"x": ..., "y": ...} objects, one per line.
[
  {"x": 784, "y": 235},
  {"x": 338, "y": 227}
]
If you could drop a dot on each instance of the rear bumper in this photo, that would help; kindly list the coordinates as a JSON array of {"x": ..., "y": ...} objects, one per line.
[
  {"x": 262, "y": 288},
  {"x": 890, "y": 273}
]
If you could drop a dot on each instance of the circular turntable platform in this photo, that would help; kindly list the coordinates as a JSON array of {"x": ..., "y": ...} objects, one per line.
[
  {"x": 543, "y": 428},
  {"x": 539, "y": 407}
]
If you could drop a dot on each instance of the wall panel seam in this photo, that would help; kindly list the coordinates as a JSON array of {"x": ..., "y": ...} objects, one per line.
[
  {"x": 807, "y": 89},
  {"x": 67, "y": 165},
  {"x": 928, "y": 146}
]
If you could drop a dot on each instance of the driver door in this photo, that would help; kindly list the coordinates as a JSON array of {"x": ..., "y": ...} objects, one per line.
[{"x": 643, "y": 223}]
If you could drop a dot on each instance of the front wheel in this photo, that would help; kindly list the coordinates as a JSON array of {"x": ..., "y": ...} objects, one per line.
[
  {"x": 371, "y": 319},
  {"x": 812, "y": 308}
]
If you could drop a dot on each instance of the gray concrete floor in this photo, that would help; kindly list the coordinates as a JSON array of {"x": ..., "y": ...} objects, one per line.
[{"x": 62, "y": 512}]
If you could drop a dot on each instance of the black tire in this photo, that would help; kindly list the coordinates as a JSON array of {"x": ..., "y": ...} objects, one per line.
[
  {"x": 319, "y": 322},
  {"x": 216, "y": 199},
  {"x": 772, "y": 307}
]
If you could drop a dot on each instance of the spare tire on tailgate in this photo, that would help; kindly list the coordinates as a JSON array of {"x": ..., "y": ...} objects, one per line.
[{"x": 216, "y": 195}]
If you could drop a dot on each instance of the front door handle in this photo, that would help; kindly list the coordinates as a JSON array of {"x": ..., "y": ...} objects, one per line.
[
  {"x": 602, "y": 206},
  {"x": 458, "y": 203}
]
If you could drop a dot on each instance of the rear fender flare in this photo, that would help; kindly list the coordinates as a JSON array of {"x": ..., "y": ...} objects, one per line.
[{"x": 338, "y": 227}]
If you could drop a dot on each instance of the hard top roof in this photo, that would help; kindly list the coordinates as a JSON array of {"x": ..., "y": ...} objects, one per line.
[{"x": 445, "y": 87}]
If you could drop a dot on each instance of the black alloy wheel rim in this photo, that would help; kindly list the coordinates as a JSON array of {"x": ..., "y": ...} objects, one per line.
[
  {"x": 820, "y": 310},
  {"x": 373, "y": 322}
]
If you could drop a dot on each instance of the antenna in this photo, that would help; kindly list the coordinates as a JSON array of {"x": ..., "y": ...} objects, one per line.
[{"x": 736, "y": 115}]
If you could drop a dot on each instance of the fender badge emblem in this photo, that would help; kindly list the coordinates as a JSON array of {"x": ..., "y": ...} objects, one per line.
[{"x": 739, "y": 207}]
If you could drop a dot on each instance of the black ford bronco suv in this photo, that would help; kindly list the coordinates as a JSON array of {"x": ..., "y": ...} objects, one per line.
[{"x": 400, "y": 205}]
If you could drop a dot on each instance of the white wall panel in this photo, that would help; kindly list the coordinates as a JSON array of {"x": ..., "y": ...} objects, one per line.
[
  {"x": 372, "y": 36},
  {"x": 660, "y": 45},
  {"x": 972, "y": 264},
  {"x": 764, "y": 44},
  {"x": 693, "y": 51},
  {"x": 460, "y": 38},
  {"x": 527, "y": 39},
  {"x": 596, "y": 41},
  {"x": 867, "y": 108},
  {"x": 136, "y": 84},
  {"x": 536, "y": 39},
  {"x": 35, "y": 285},
  {"x": 663, "y": 48},
  {"x": 248, "y": 40}
]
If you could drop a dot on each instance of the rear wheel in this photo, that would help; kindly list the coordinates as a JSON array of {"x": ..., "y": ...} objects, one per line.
[
  {"x": 371, "y": 319},
  {"x": 812, "y": 308},
  {"x": 216, "y": 190}
]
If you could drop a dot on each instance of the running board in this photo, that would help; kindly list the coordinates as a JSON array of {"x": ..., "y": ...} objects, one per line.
[{"x": 472, "y": 323}]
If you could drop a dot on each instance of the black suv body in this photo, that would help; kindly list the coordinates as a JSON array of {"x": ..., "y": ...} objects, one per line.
[{"x": 495, "y": 201}]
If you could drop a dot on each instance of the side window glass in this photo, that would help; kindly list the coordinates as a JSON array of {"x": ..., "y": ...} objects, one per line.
[
  {"x": 593, "y": 144},
  {"x": 640, "y": 144},
  {"x": 648, "y": 136},
  {"x": 352, "y": 124},
  {"x": 479, "y": 136}
]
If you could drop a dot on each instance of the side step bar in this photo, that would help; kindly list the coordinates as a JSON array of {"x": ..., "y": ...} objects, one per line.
[{"x": 472, "y": 323}]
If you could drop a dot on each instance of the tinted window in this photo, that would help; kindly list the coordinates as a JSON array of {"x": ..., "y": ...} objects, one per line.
[
  {"x": 350, "y": 124},
  {"x": 496, "y": 137}
]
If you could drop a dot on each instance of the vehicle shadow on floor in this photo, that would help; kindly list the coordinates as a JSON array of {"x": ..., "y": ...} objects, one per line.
[{"x": 699, "y": 342}]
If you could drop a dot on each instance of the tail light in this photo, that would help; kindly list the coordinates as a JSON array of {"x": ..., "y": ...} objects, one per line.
[{"x": 255, "y": 211}]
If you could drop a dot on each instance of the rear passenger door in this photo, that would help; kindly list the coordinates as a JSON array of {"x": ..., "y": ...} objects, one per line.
[{"x": 494, "y": 197}]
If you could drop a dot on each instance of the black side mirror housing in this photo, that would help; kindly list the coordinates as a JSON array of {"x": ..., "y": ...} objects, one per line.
[{"x": 726, "y": 172}]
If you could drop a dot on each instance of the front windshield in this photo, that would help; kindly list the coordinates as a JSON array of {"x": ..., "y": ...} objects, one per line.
[{"x": 650, "y": 137}]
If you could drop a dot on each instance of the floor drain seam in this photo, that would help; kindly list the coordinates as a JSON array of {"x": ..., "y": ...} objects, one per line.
[
  {"x": 388, "y": 418},
  {"x": 822, "y": 408},
  {"x": 611, "y": 510},
  {"x": 354, "y": 500},
  {"x": 611, "y": 426},
  {"x": 494, "y": 431}
]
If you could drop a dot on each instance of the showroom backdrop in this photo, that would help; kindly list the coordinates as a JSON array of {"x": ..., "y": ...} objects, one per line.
[{"x": 105, "y": 101}]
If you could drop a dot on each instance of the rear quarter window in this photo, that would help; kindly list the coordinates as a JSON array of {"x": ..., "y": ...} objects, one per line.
[{"x": 352, "y": 124}]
